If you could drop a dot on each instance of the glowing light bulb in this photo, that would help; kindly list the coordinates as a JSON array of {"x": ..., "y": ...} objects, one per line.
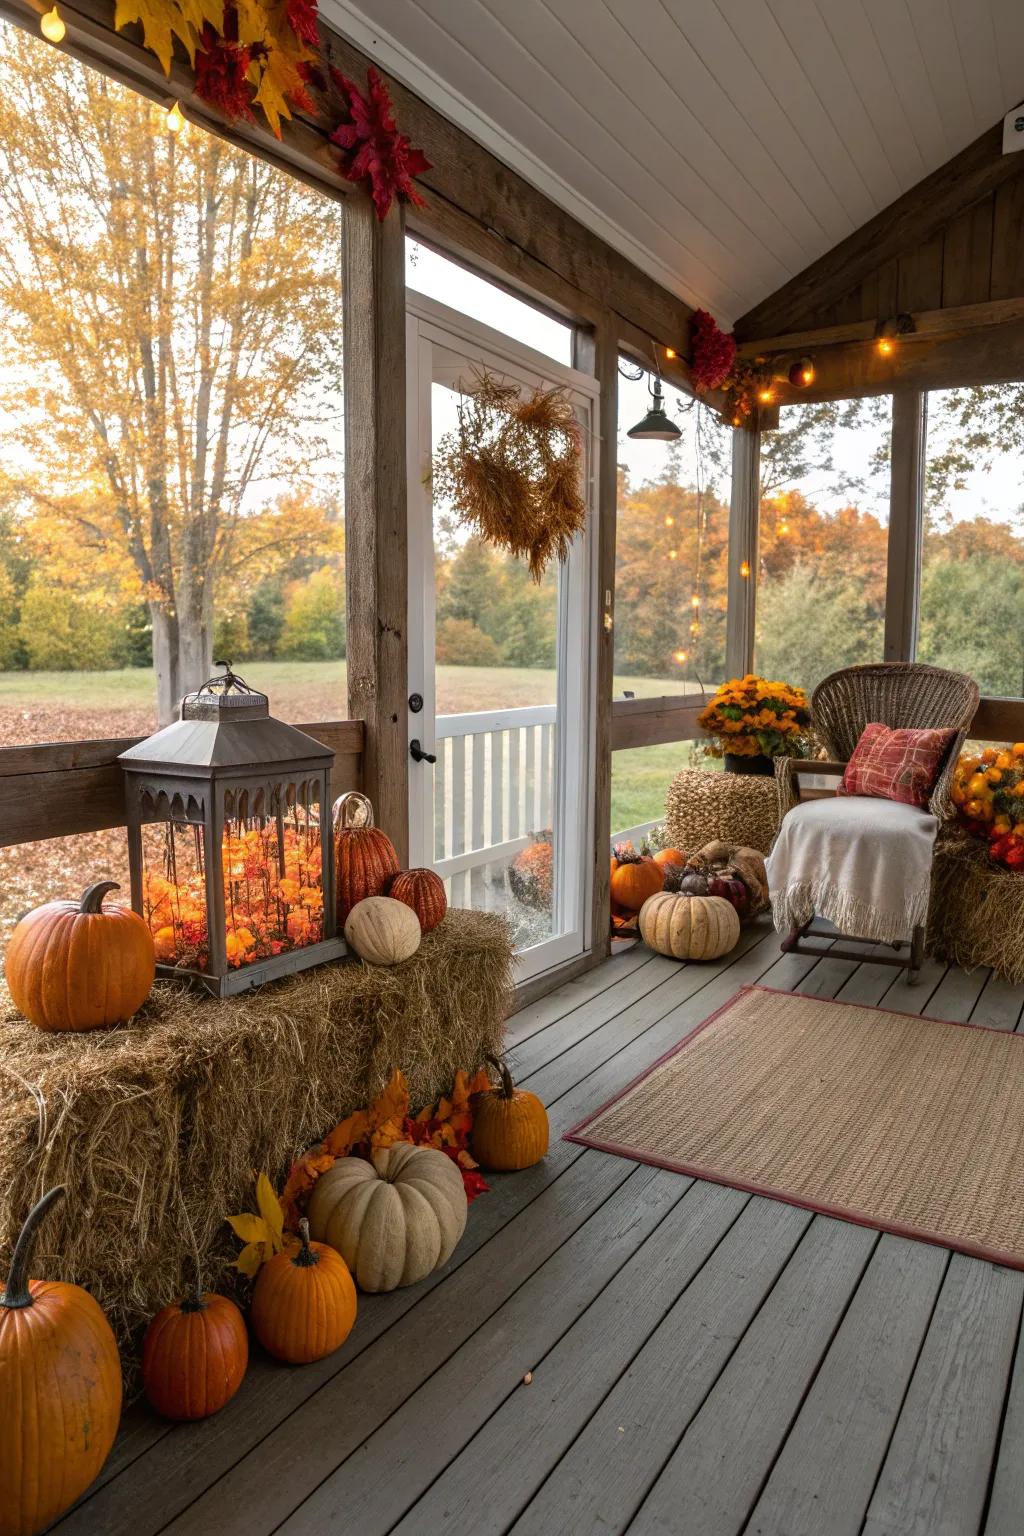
[
  {"x": 175, "y": 119},
  {"x": 885, "y": 345},
  {"x": 671, "y": 352},
  {"x": 765, "y": 396},
  {"x": 680, "y": 656},
  {"x": 737, "y": 421},
  {"x": 673, "y": 554},
  {"x": 695, "y": 601},
  {"x": 670, "y": 522},
  {"x": 695, "y": 628},
  {"x": 52, "y": 26},
  {"x": 783, "y": 529},
  {"x": 744, "y": 568}
]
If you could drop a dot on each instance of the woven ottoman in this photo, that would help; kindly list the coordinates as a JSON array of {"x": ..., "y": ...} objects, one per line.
[{"x": 702, "y": 805}]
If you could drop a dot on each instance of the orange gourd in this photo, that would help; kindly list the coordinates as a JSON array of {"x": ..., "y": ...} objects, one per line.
[
  {"x": 422, "y": 890},
  {"x": 364, "y": 856},
  {"x": 72, "y": 965},
  {"x": 194, "y": 1356},
  {"x": 304, "y": 1303},
  {"x": 670, "y": 858},
  {"x": 510, "y": 1125},
  {"x": 60, "y": 1391},
  {"x": 634, "y": 877}
]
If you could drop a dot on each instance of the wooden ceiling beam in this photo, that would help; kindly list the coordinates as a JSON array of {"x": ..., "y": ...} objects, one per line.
[
  {"x": 957, "y": 320},
  {"x": 907, "y": 223}
]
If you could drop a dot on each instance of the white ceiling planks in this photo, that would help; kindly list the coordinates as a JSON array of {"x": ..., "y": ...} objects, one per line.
[{"x": 722, "y": 145}]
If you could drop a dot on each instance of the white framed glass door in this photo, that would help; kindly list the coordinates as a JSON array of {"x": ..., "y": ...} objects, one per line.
[{"x": 501, "y": 745}]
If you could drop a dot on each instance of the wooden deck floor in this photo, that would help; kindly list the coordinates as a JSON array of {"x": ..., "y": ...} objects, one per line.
[{"x": 703, "y": 1361}]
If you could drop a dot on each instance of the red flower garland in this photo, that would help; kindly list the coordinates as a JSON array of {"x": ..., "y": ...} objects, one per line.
[
  {"x": 374, "y": 149},
  {"x": 222, "y": 69},
  {"x": 714, "y": 352}
]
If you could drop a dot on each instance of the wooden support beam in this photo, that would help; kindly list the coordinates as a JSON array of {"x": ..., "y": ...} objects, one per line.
[
  {"x": 376, "y": 524},
  {"x": 907, "y": 223},
  {"x": 652, "y": 722},
  {"x": 599, "y": 353},
  {"x": 906, "y": 523},
  {"x": 958, "y": 320},
  {"x": 744, "y": 517}
]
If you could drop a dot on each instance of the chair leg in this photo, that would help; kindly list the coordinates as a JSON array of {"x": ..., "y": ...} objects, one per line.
[{"x": 916, "y": 956}]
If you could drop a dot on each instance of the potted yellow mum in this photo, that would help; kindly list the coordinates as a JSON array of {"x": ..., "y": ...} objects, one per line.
[{"x": 751, "y": 721}]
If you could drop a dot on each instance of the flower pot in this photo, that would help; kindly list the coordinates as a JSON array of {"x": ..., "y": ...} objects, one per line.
[{"x": 759, "y": 764}]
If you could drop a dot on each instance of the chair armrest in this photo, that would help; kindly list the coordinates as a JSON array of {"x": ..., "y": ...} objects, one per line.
[
  {"x": 789, "y": 771},
  {"x": 811, "y": 765}
]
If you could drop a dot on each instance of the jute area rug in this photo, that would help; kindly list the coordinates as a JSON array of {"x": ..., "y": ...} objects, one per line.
[{"x": 909, "y": 1125}]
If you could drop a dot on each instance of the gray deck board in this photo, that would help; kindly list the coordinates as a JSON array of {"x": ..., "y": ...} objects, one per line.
[{"x": 702, "y": 1360}]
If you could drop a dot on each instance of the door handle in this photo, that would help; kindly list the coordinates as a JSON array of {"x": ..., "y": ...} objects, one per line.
[{"x": 417, "y": 753}]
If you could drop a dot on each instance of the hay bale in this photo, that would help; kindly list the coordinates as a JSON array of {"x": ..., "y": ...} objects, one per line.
[
  {"x": 157, "y": 1127},
  {"x": 703, "y": 807},
  {"x": 976, "y": 912}
]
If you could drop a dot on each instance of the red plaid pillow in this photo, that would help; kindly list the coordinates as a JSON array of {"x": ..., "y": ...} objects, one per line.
[{"x": 896, "y": 765}]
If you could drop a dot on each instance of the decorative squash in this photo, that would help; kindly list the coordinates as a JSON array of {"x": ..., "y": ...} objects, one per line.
[
  {"x": 393, "y": 1220},
  {"x": 72, "y": 965},
  {"x": 689, "y": 927},
  {"x": 719, "y": 860},
  {"x": 423, "y": 891},
  {"x": 731, "y": 887},
  {"x": 634, "y": 877},
  {"x": 364, "y": 856},
  {"x": 670, "y": 858},
  {"x": 383, "y": 931},
  {"x": 194, "y": 1356},
  {"x": 304, "y": 1303},
  {"x": 510, "y": 1125},
  {"x": 531, "y": 873},
  {"x": 60, "y": 1391}
]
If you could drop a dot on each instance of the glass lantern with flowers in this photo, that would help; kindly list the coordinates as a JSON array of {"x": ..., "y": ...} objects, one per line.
[
  {"x": 227, "y": 810},
  {"x": 751, "y": 721},
  {"x": 988, "y": 792}
]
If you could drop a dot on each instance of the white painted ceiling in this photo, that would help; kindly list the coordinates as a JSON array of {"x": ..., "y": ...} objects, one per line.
[{"x": 721, "y": 144}]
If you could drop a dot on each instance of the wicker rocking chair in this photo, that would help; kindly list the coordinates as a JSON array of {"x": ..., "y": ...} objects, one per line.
[{"x": 901, "y": 695}]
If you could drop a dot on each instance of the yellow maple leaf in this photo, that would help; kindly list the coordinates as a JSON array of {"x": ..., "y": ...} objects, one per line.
[
  {"x": 343, "y": 1138},
  {"x": 252, "y": 22},
  {"x": 263, "y": 1234},
  {"x": 250, "y": 1259},
  {"x": 392, "y": 1104},
  {"x": 270, "y": 1209},
  {"x": 277, "y": 77},
  {"x": 161, "y": 21},
  {"x": 250, "y": 1228}
]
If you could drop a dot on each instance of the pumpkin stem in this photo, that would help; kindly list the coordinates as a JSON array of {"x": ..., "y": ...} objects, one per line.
[
  {"x": 305, "y": 1258},
  {"x": 347, "y": 805},
  {"x": 194, "y": 1301},
  {"x": 92, "y": 896},
  {"x": 508, "y": 1087},
  {"x": 17, "y": 1293}
]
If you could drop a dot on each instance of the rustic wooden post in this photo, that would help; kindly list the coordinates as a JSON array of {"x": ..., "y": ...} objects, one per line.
[
  {"x": 744, "y": 514},
  {"x": 376, "y": 537},
  {"x": 906, "y": 523}
]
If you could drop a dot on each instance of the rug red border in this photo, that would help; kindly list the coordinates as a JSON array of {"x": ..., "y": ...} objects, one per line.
[{"x": 714, "y": 1176}]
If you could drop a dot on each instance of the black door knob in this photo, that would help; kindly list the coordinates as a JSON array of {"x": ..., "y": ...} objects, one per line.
[{"x": 418, "y": 755}]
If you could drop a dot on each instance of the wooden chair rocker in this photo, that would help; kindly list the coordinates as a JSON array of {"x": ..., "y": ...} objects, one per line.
[{"x": 859, "y": 862}]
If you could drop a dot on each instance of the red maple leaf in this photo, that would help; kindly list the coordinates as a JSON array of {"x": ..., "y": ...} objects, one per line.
[
  {"x": 373, "y": 149},
  {"x": 301, "y": 16},
  {"x": 221, "y": 69}
]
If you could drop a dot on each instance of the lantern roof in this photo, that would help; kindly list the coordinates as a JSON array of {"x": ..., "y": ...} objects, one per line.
[{"x": 224, "y": 725}]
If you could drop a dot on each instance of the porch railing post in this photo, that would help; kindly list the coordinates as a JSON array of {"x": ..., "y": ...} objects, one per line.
[
  {"x": 906, "y": 523},
  {"x": 744, "y": 514}
]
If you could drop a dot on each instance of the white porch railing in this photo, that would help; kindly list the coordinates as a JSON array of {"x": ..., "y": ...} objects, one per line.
[{"x": 493, "y": 786}]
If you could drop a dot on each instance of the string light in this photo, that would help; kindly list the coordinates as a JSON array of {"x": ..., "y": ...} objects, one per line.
[
  {"x": 671, "y": 352},
  {"x": 783, "y": 529},
  {"x": 802, "y": 373},
  {"x": 744, "y": 568},
  {"x": 52, "y": 26},
  {"x": 885, "y": 346},
  {"x": 670, "y": 522},
  {"x": 673, "y": 554},
  {"x": 680, "y": 656},
  {"x": 695, "y": 601},
  {"x": 175, "y": 119},
  {"x": 765, "y": 395}
]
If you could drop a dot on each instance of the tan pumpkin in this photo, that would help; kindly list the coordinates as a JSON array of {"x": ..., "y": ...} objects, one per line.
[
  {"x": 689, "y": 927},
  {"x": 364, "y": 856},
  {"x": 383, "y": 931},
  {"x": 194, "y": 1356},
  {"x": 394, "y": 1220},
  {"x": 72, "y": 965},
  {"x": 423, "y": 891},
  {"x": 60, "y": 1391},
  {"x": 510, "y": 1125},
  {"x": 304, "y": 1303}
]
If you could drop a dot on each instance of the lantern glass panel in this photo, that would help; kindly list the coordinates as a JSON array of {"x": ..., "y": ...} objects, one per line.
[{"x": 174, "y": 893}]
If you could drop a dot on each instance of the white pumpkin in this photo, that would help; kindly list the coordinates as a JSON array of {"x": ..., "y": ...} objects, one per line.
[
  {"x": 689, "y": 927},
  {"x": 383, "y": 931},
  {"x": 393, "y": 1220}
]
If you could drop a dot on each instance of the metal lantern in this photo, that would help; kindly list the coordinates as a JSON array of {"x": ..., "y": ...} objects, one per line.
[{"x": 229, "y": 841}]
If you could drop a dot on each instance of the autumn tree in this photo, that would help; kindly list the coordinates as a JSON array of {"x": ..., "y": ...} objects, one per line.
[{"x": 172, "y": 339}]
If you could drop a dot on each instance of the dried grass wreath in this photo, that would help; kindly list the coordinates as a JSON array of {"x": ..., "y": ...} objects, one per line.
[{"x": 512, "y": 468}]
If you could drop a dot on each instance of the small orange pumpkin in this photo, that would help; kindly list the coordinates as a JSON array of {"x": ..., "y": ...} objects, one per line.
[
  {"x": 422, "y": 890},
  {"x": 60, "y": 1390},
  {"x": 364, "y": 856},
  {"x": 194, "y": 1356},
  {"x": 510, "y": 1125},
  {"x": 72, "y": 965},
  {"x": 304, "y": 1303},
  {"x": 634, "y": 877},
  {"x": 670, "y": 858}
]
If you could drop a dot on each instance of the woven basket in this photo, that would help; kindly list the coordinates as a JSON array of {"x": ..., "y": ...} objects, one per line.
[
  {"x": 976, "y": 913},
  {"x": 739, "y": 808}
]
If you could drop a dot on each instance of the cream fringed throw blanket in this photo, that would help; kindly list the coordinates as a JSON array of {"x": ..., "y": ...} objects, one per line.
[{"x": 861, "y": 863}]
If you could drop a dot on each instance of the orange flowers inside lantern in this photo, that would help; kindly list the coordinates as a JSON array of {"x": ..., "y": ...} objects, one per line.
[{"x": 230, "y": 867}]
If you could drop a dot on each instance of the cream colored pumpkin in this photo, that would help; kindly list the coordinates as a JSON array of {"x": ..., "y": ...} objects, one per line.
[
  {"x": 393, "y": 1220},
  {"x": 689, "y": 927},
  {"x": 383, "y": 931}
]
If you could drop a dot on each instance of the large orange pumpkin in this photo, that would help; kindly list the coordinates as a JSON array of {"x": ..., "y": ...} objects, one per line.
[
  {"x": 60, "y": 1391},
  {"x": 304, "y": 1303},
  {"x": 422, "y": 890},
  {"x": 634, "y": 877},
  {"x": 72, "y": 965},
  {"x": 510, "y": 1125},
  {"x": 194, "y": 1356},
  {"x": 364, "y": 856}
]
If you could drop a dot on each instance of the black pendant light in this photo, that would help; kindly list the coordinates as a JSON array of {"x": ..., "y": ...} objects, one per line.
[{"x": 656, "y": 426}]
